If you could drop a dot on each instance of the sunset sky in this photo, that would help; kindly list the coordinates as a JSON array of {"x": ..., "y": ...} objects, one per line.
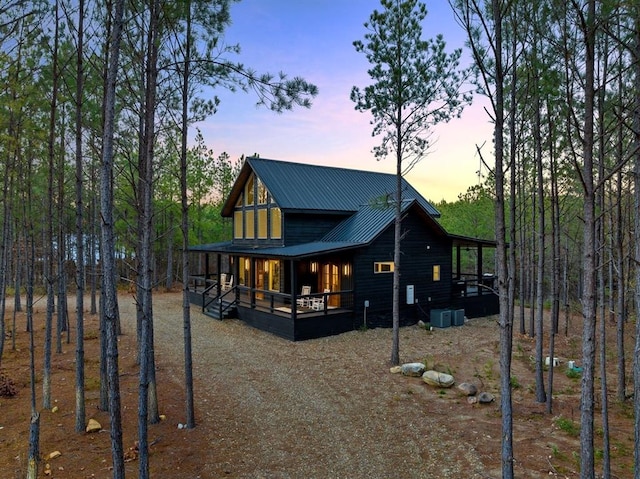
[{"x": 314, "y": 39}]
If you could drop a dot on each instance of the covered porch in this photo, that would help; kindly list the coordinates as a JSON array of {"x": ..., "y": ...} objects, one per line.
[
  {"x": 288, "y": 292},
  {"x": 473, "y": 280}
]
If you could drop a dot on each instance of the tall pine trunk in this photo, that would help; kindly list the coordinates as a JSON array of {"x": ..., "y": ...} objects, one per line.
[
  {"x": 80, "y": 267},
  {"x": 587, "y": 463},
  {"x": 186, "y": 303},
  {"x": 110, "y": 303}
]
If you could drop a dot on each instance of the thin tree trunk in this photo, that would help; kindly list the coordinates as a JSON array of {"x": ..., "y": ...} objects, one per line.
[
  {"x": 541, "y": 395},
  {"x": 110, "y": 305},
  {"x": 636, "y": 237},
  {"x": 555, "y": 247},
  {"x": 600, "y": 263},
  {"x": 587, "y": 464},
  {"x": 80, "y": 406},
  {"x": 34, "y": 430},
  {"x": 186, "y": 303},
  {"x": 49, "y": 273},
  {"x": 62, "y": 310}
]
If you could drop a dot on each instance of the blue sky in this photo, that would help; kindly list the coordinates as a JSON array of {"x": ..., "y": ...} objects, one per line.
[{"x": 314, "y": 39}]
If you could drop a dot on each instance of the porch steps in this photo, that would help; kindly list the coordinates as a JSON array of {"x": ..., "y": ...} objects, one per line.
[{"x": 229, "y": 310}]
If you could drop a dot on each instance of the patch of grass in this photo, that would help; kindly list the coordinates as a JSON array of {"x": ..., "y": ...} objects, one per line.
[
  {"x": 556, "y": 453},
  {"x": 568, "y": 426},
  {"x": 573, "y": 374},
  {"x": 515, "y": 384},
  {"x": 92, "y": 384},
  {"x": 89, "y": 335},
  {"x": 487, "y": 369}
]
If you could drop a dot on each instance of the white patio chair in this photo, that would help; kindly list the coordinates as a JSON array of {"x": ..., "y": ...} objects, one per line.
[
  {"x": 303, "y": 300},
  {"x": 317, "y": 304}
]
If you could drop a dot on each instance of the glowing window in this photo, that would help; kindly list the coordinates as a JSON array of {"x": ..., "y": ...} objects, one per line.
[
  {"x": 276, "y": 223},
  {"x": 436, "y": 272},
  {"x": 248, "y": 191},
  {"x": 250, "y": 228},
  {"x": 262, "y": 223},
  {"x": 262, "y": 193},
  {"x": 238, "y": 230},
  {"x": 383, "y": 267}
]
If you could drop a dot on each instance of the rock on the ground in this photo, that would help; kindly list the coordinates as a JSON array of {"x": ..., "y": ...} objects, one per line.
[
  {"x": 468, "y": 389},
  {"x": 52, "y": 455},
  {"x": 395, "y": 369},
  {"x": 436, "y": 378},
  {"x": 486, "y": 398},
  {"x": 93, "y": 426},
  {"x": 413, "y": 369}
]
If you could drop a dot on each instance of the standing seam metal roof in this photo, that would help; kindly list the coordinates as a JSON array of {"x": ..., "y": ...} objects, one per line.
[{"x": 303, "y": 187}]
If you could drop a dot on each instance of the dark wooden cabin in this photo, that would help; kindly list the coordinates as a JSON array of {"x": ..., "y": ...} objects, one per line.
[{"x": 312, "y": 254}]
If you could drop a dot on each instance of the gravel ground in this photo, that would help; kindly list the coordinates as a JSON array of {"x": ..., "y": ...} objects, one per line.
[{"x": 329, "y": 408}]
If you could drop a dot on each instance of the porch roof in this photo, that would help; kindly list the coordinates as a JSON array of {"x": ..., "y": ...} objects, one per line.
[
  {"x": 290, "y": 252},
  {"x": 467, "y": 241}
]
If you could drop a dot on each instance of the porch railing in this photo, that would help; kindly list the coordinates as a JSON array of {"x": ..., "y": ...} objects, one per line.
[
  {"x": 470, "y": 285},
  {"x": 276, "y": 302}
]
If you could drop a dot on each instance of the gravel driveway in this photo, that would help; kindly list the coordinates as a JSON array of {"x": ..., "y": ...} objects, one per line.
[{"x": 325, "y": 408}]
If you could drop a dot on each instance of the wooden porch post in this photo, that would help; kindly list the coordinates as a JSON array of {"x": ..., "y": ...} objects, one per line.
[
  {"x": 294, "y": 294},
  {"x": 458, "y": 262},
  {"x": 219, "y": 266},
  {"x": 252, "y": 282},
  {"x": 206, "y": 268},
  {"x": 480, "y": 283}
]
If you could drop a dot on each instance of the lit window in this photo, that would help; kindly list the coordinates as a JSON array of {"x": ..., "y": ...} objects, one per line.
[
  {"x": 249, "y": 227},
  {"x": 262, "y": 193},
  {"x": 383, "y": 267},
  {"x": 262, "y": 223},
  {"x": 276, "y": 223},
  {"x": 248, "y": 191},
  {"x": 238, "y": 230},
  {"x": 436, "y": 272}
]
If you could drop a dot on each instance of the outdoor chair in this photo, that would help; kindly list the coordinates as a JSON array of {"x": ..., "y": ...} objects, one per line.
[
  {"x": 303, "y": 300},
  {"x": 317, "y": 304},
  {"x": 227, "y": 285}
]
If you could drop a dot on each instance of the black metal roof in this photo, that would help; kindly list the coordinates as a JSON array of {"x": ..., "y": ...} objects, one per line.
[
  {"x": 356, "y": 231},
  {"x": 295, "y": 251},
  {"x": 312, "y": 188}
]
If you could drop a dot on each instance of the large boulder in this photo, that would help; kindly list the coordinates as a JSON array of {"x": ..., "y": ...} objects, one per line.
[
  {"x": 413, "y": 369},
  {"x": 438, "y": 379}
]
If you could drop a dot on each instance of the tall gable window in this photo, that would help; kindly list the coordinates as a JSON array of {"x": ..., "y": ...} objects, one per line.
[
  {"x": 249, "y": 193},
  {"x": 256, "y": 214}
]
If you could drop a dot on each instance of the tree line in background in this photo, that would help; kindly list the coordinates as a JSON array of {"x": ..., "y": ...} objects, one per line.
[{"x": 99, "y": 105}]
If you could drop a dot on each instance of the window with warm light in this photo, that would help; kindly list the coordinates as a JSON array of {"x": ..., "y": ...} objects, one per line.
[
  {"x": 256, "y": 214},
  {"x": 262, "y": 223},
  {"x": 238, "y": 230},
  {"x": 436, "y": 272},
  {"x": 276, "y": 223},
  {"x": 249, "y": 231},
  {"x": 383, "y": 267}
]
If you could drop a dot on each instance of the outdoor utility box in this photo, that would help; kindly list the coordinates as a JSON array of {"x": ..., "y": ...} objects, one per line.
[
  {"x": 440, "y": 318},
  {"x": 457, "y": 317}
]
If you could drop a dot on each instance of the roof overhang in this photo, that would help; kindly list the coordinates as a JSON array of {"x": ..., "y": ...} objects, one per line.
[
  {"x": 285, "y": 252},
  {"x": 467, "y": 241}
]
